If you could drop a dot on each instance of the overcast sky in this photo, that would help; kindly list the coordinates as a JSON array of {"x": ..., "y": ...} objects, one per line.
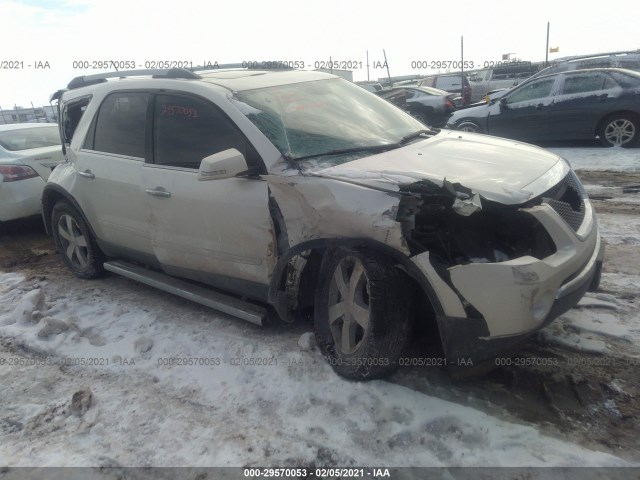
[{"x": 233, "y": 31}]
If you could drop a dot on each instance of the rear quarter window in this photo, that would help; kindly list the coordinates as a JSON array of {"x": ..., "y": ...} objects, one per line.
[
  {"x": 626, "y": 81},
  {"x": 71, "y": 115}
]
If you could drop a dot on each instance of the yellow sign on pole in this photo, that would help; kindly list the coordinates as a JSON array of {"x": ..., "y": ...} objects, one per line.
[{"x": 554, "y": 49}]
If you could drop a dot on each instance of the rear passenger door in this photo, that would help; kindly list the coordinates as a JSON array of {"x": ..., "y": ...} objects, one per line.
[
  {"x": 583, "y": 98},
  {"x": 108, "y": 170},
  {"x": 217, "y": 231}
]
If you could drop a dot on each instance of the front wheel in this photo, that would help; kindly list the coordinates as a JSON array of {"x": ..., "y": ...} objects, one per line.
[
  {"x": 469, "y": 127},
  {"x": 75, "y": 242},
  {"x": 363, "y": 313},
  {"x": 619, "y": 130}
]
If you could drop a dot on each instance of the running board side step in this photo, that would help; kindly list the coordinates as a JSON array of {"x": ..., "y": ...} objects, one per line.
[{"x": 210, "y": 298}]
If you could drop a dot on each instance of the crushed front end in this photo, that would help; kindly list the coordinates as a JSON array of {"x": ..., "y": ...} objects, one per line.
[{"x": 501, "y": 272}]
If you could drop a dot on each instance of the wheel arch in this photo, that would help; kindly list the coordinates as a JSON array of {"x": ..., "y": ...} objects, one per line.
[
  {"x": 308, "y": 279},
  {"x": 51, "y": 195},
  {"x": 604, "y": 118},
  {"x": 473, "y": 121}
]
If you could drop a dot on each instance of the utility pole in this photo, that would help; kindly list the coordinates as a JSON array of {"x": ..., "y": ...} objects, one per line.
[
  {"x": 367, "y": 65},
  {"x": 462, "y": 67},
  {"x": 387, "y": 64},
  {"x": 546, "y": 53}
]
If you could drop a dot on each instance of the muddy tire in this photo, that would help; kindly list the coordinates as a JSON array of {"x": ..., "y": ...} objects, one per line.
[
  {"x": 75, "y": 242},
  {"x": 363, "y": 313}
]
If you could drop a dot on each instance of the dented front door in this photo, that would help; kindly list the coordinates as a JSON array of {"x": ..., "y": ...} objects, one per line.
[{"x": 209, "y": 229}]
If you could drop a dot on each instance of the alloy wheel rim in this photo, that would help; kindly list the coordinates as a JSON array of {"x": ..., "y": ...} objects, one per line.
[
  {"x": 619, "y": 131},
  {"x": 73, "y": 241},
  {"x": 468, "y": 128},
  {"x": 349, "y": 308}
]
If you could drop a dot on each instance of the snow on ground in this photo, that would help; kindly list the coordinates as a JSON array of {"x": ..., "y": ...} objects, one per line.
[
  {"x": 600, "y": 317},
  {"x": 145, "y": 411},
  {"x": 620, "y": 229},
  {"x": 598, "y": 320},
  {"x": 603, "y": 158}
]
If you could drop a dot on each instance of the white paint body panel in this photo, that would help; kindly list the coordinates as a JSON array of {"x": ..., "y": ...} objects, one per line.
[
  {"x": 501, "y": 170},
  {"x": 20, "y": 199},
  {"x": 217, "y": 226},
  {"x": 113, "y": 201}
]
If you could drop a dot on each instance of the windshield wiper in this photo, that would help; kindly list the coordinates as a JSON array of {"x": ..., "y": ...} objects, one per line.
[
  {"x": 413, "y": 135},
  {"x": 340, "y": 151},
  {"x": 371, "y": 148}
]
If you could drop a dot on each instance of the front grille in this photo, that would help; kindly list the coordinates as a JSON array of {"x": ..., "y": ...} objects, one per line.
[{"x": 567, "y": 199}]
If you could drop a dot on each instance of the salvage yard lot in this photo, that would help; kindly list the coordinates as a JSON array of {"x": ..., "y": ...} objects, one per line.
[{"x": 174, "y": 383}]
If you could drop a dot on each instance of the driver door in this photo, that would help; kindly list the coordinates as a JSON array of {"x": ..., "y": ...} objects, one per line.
[{"x": 524, "y": 113}]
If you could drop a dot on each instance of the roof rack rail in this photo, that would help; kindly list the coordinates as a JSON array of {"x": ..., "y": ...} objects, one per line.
[
  {"x": 593, "y": 55},
  {"x": 87, "y": 80},
  {"x": 270, "y": 65}
]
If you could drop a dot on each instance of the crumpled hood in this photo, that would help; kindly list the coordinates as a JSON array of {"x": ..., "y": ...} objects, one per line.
[{"x": 501, "y": 170}]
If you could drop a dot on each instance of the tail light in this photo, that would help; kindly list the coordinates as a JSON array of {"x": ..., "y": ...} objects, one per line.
[
  {"x": 449, "y": 104},
  {"x": 13, "y": 173}
]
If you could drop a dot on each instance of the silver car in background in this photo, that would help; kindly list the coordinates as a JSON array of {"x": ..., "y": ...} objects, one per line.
[{"x": 28, "y": 154}]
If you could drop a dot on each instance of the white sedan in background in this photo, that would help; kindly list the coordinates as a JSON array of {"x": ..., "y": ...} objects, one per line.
[{"x": 28, "y": 154}]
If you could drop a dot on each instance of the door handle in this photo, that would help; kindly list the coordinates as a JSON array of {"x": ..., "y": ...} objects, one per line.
[
  {"x": 539, "y": 106},
  {"x": 158, "y": 192},
  {"x": 86, "y": 174},
  {"x": 603, "y": 97}
]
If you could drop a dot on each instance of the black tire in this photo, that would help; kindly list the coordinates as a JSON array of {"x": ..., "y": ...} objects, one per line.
[
  {"x": 381, "y": 293},
  {"x": 468, "y": 126},
  {"x": 619, "y": 130},
  {"x": 75, "y": 242}
]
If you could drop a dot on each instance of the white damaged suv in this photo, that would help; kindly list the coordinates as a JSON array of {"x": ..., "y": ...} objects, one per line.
[{"x": 300, "y": 192}]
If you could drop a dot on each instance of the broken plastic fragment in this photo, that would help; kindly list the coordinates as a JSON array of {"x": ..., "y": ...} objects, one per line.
[{"x": 467, "y": 207}]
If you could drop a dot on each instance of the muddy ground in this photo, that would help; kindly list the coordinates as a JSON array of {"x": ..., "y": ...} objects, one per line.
[{"x": 586, "y": 398}]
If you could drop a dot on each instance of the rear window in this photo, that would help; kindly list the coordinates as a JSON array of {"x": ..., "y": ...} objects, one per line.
[{"x": 28, "y": 138}]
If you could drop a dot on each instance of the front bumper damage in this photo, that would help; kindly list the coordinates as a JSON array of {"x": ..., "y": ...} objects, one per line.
[{"x": 518, "y": 297}]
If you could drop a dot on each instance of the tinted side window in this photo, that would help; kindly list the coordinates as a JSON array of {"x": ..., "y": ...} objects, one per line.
[
  {"x": 532, "y": 91},
  {"x": 121, "y": 124},
  {"x": 187, "y": 129},
  {"x": 582, "y": 84}
]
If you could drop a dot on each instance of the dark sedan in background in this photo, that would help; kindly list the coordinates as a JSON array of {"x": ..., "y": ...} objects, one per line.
[
  {"x": 429, "y": 105},
  {"x": 573, "y": 105}
]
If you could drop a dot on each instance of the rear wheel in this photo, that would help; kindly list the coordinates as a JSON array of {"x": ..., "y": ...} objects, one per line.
[
  {"x": 75, "y": 242},
  {"x": 619, "y": 130},
  {"x": 362, "y": 313}
]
